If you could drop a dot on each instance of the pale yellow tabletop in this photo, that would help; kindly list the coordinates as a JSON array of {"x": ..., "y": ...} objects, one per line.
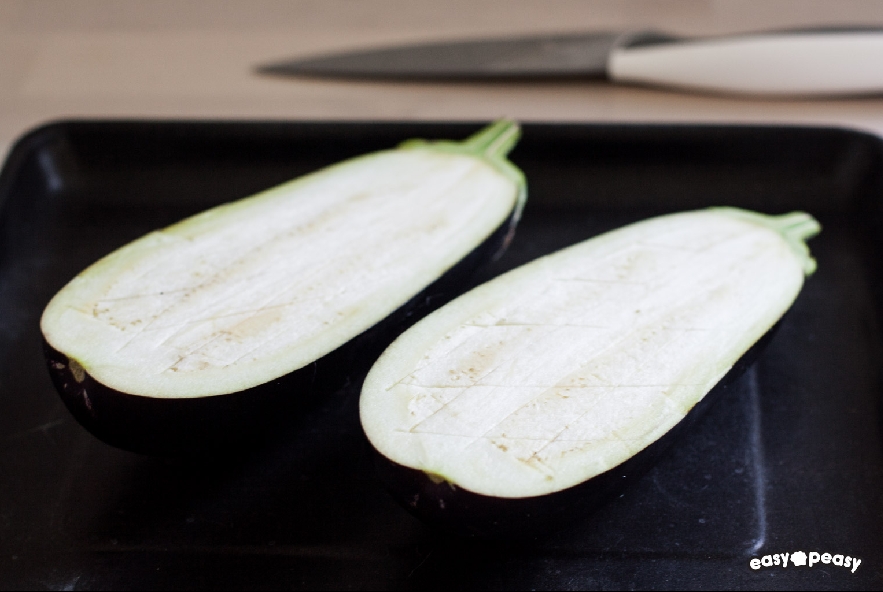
[{"x": 195, "y": 59}]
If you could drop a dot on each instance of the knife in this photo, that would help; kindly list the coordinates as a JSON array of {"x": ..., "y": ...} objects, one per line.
[{"x": 808, "y": 62}]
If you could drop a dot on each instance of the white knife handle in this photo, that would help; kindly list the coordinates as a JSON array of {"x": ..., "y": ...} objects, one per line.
[{"x": 797, "y": 63}]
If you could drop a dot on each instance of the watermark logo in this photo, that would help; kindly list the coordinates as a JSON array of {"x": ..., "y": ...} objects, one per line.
[{"x": 801, "y": 559}]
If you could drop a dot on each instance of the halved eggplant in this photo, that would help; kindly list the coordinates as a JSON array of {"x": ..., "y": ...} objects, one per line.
[
  {"x": 202, "y": 332},
  {"x": 553, "y": 385}
]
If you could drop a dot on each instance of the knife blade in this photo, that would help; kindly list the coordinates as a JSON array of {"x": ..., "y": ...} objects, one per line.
[{"x": 811, "y": 62}]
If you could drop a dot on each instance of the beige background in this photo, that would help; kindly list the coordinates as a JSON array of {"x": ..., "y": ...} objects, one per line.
[{"x": 194, "y": 59}]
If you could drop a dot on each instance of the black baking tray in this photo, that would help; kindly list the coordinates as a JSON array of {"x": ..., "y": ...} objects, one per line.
[{"x": 789, "y": 460}]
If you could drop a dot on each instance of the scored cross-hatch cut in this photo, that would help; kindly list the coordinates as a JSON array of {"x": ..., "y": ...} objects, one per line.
[{"x": 564, "y": 368}]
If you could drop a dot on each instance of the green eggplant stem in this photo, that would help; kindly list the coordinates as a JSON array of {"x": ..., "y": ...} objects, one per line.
[
  {"x": 798, "y": 225},
  {"x": 492, "y": 143},
  {"x": 795, "y": 228},
  {"x": 495, "y": 140}
]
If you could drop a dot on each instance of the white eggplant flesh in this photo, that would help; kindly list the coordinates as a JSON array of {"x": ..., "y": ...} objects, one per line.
[
  {"x": 561, "y": 370},
  {"x": 254, "y": 290}
]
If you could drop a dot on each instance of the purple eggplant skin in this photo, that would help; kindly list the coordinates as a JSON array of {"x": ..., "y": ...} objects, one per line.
[
  {"x": 204, "y": 425},
  {"x": 459, "y": 512}
]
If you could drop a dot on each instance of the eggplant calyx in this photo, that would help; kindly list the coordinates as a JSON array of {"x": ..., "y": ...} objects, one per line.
[
  {"x": 795, "y": 227},
  {"x": 495, "y": 140},
  {"x": 491, "y": 143}
]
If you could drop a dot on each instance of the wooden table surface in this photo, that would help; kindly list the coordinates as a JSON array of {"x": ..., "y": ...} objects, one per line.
[{"x": 194, "y": 59}]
